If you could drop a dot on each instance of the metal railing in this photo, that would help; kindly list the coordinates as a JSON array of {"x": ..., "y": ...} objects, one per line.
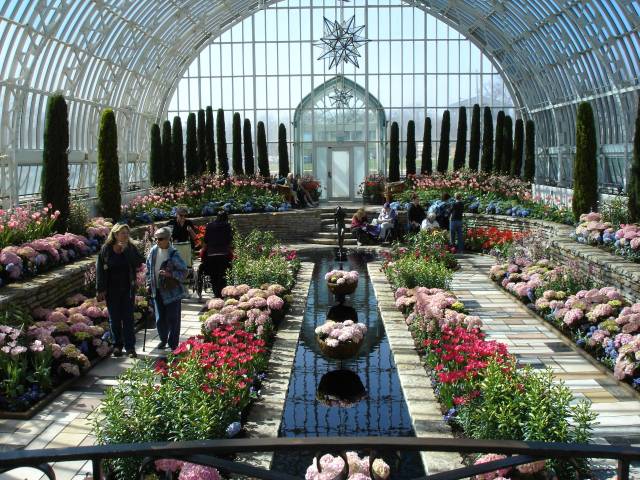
[{"x": 206, "y": 453}]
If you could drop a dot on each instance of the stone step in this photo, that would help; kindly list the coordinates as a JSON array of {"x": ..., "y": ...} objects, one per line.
[
  {"x": 332, "y": 235},
  {"x": 331, "y": 241}
]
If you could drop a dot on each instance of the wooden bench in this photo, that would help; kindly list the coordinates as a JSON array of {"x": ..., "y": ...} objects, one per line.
[{"x": 392, "y": 188}]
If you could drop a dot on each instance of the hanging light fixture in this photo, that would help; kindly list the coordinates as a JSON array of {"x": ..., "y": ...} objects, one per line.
[{"x": 341, "y": 42}]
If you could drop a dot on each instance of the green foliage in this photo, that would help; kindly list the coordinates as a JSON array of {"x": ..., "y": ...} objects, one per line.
[
  {"x": 474, "y": 141},
  {"x": 409, "y": 271},
  {"x": 210, "y": 141},
  {"x": 193, "y": 164},
  {"x": 460, "y": 155},
  {"x": 202, "y": 141},
  {"x": 507, "y": 150},
  {"x": 443, "y": 153},
  {"x": 497, "y": 152},
  {"x": 283, "y": 154},
  {"x": 257, "y": 244},
  {"x": 530, "y": 152},
  {"x": 78, "y": 217},
  {"x": 616, "y": 210},
  {"x": 567, "y": 279},
  {"x": 54, "y": 188},
  {"x": 411, "y": 148},
  {"x": 633, "y": 185},
  {"x": 167, "y": 154},
  {"x": 263, "y": 153},
  {"x": 518, "y": 149},
  {"x": 236, "y": 153},
  {"x": 221, "y": 137},
  {"x": 249, "y": 164},
  {"x": 394, "y": 153},
  {"x": 585, "y": 165},
  {"x": 178, "y": 154},
  {"x": 486, "y": 164},
  {"x": 426, "y": 167},
  {"x": 108, "y": 188},
  {"x": 155, "y": 156}
]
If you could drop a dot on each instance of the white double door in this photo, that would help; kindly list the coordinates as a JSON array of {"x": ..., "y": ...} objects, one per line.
[{"x": 342, "y": 169}]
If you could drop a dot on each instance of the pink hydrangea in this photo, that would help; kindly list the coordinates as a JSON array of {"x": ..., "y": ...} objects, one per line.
[
  {"x": 274, "y": 302},
  {"x": 573, "y": 317},
  {"x": 192, "y": 471},
  {"x": 491, "y": 457},
  {"x": 258, "y": 302},
  {"x": 215, "y": 304}
]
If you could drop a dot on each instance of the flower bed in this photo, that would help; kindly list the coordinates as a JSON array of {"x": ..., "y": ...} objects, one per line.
[
  {"x": 623, "y": 240},
  {"x": 485, "y": 240}
]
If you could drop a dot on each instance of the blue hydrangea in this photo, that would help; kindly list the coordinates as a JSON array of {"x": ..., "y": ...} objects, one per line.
[
  {"x": 581, "y": 342},
  {"x": 636, "y": 382},
  {"x": 233, "y": 429},
  {"x": 450, "y": 414}
]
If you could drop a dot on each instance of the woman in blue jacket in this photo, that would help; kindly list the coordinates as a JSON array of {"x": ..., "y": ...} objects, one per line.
[{"x": 165, "y": 270}]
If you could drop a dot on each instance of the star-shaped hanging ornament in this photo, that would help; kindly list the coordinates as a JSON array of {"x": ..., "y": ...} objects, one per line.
[
  {"x": 341, "y": 42},
  {"x": 341, "y": 97}
]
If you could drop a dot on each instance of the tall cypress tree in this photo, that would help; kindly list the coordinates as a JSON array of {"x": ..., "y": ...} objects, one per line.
[
  {"x": 461, "y": 140},
  {"x": 202, "y": 141},
  {"x": 210, "y": 141},
  {"x": 411, "y": 148},
  {"x": 426, "y": 167},
  {"x": 193, "y": 163},
  {"x": 394, "y": 153},
  {"x": 633, "y": 184},
  {"x": 283, "y": 153},
  {"x": 443, "y": 154},
  {"x": 249, "y": 167},
  {"x": 486, "y": 164},
  {"x": 518, "y": 148},
  {"x": 585, "y": 165},
  {"x": 155, "y": 156},
  {"x": 167, "y": 154},
  {"x": 497, "y": 152},
  {"x": 178, "y": 146},
  {"x": 474, "y": 140},
  {"x": 108, "y": 188},
  {"x": 54, "y": 185},
  {"x": 236, "y": 153},
  {"x": 221, "y": 137},
  {"x": 530, "y": 152},
  {"x": 263, "y": 151},
  {"x": 507, "y": 150}
]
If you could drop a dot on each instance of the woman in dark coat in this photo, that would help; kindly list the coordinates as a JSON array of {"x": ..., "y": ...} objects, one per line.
[{"x": 216, "y": 258}]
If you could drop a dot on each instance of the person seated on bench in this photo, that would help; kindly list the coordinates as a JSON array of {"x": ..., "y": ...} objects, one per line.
[
  {"x": 387, "y": 221},
  {"x": 361, "y": 229},
  {"x": 303, "y": 196},
  {"x": 415, "y": 214},
  {"x": 430, "y": 223}
]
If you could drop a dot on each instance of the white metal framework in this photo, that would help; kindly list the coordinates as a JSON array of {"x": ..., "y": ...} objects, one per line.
[{"x": 130, "y": 55}]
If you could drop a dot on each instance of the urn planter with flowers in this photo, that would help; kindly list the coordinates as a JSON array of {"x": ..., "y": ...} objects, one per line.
[
  {"x": 341, "y": 282},
  {"x": 340, "y": 340}
]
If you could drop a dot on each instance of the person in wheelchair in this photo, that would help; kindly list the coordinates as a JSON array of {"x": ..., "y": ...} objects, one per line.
[
  {"x": 362, "y": 230},
  {"x": 215, "y": 254}
]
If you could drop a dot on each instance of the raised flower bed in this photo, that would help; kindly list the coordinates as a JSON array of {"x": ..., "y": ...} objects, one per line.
[{"x": 623, "y": 240}]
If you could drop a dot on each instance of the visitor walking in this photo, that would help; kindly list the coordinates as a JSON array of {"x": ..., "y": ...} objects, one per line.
[
  {"x": 455, "y": 224},
  {"x": 415, "y": 214},
  {"x": 217, "y": 253},
  {"x": 116, "y": 268},
  {"x": 165, "y": 270},
  {"x": 443, "y": 210}
]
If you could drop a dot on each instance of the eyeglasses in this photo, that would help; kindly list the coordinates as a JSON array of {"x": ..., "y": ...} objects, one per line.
[{"x": 161, "y": 239}]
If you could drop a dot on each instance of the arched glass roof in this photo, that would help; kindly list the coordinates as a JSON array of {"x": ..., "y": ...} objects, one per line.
[{"x": 130, "y": 54}]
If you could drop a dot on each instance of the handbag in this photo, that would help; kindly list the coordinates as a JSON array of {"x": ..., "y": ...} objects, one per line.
[{"x": 168, "y": 283}]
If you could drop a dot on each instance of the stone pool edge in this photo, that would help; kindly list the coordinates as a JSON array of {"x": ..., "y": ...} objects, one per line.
[{"x": 424, "y": 408}]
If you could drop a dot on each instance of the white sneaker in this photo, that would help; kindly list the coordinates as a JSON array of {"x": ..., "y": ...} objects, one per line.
[{"x": 359, "y": 243}]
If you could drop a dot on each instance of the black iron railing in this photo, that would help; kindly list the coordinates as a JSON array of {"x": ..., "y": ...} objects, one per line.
[{"x": 207, "y": 453}]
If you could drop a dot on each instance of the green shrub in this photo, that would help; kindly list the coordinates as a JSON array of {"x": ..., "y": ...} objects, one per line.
[
  {"x": 155, "y": 156},
  {"x": 249, "y": 164},
  {"x": 78, "y": 217},
  {"x": 499, "y": 139},
  {"x": 585, "y": 165},
  {"x": 263, "y": 153},
  {"x": 210, "y": 141},
  {"x": 486, "y": 164},
  {"x": 459, "y": 157},
  {"x": 616, "y": 210},
  {"x": 530, "y": 152},
  {"x": 221, "y": 137},
  {"x": 443, "y": 153},
  {"x": 426, "y": 166},
  {"x": 410, "y": 164},
  {"x": 411, "y": 272},
  {"x": 178, "y": 146},
  {"x": 507, "y": 149},
  {"x": 167, "y": 154},
  {"x": 202, "y": 141},
  {"x": 283, "y": 153},
  {"x": 257, "y": 244},
  {"x": 474, "y": 140},
  {"x": 394, "y": 153},
  {"x": 54, "y": 187},
  {"x": 633, "y": 184},
  {"x": 236, "y": 152},
  {"x": 518, "y": 149},
  {"x": 108, "y": 187},
  {"x": 193, "y": 164},
  {"x": 255, "y": 272}
]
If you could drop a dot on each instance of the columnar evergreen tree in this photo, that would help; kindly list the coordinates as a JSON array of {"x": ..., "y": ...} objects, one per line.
[
  {"x": 497, "y": 152},
  {"x": 236, "y": 153},
  {"x": 459, "y": 157},
  {"x": 167, "y": 154},
  {"x": 178, "y": 153},
  {"x": 202, "y": 141},
  {"x": 221, "y": 137},
  {"x": 443, "y": 154},
  {"x": 410, "y": 164},
  {"x": 585, "y": 165},
  {"x": 518, "y": 148},
  {"x": 474, "y": 140},
  {"x": 486, "y": 164},
  {"x": 54, "y": 186},
  {"x": 633, "y": 185},
  {"x": 263, "y": 152},
  {"x": 210, "y": 141},
  {"x": 108, "y": 188},
  {"x": 155, "y": 156},
  {"x": 507, "y": 150},
  {"x": 394, "y": 153},
  {"x": 530, "y": 152},
  {"x": 249, "y": 167},
  {"x": 193, "y": 163},
  {"x": 426, "y": 167},
  {"x": 283, "y": 153}
]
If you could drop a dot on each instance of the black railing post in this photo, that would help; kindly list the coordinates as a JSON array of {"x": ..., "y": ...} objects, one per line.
[
  {"x": 623, "y": 469},
  {"x": 96, "y": 464}
]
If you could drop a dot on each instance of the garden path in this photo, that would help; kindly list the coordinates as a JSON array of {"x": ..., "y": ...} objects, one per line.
[{"x": 538, "y": 344}]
